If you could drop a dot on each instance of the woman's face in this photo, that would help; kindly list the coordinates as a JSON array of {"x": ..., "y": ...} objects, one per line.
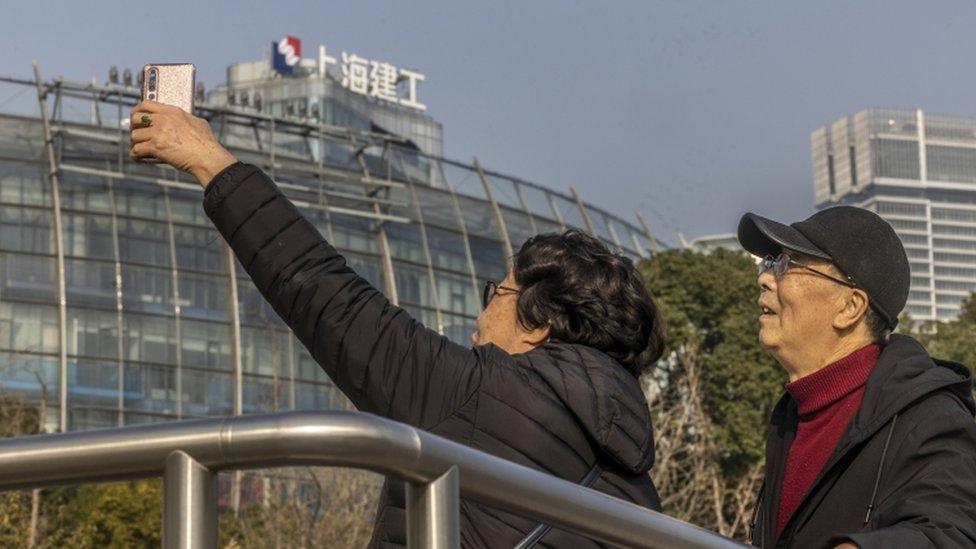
[{"x": 498, "y": 323}]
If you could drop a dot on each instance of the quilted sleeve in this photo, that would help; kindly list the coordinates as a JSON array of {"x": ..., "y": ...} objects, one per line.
[{"x": 386, "y": 362}]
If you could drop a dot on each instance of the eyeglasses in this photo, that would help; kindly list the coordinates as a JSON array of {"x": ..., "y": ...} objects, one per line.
[
  {"x": 782, "y": 263},
  {"x": 491, "y": 290}
]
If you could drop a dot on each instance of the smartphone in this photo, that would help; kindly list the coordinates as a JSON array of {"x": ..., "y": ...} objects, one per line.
[{"x": 170, "y": 83}]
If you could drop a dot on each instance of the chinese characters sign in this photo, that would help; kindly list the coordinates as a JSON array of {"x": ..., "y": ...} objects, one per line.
[{"x": 378, "y": 79}]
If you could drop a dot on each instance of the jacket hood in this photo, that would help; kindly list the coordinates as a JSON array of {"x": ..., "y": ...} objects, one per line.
[
  {"x": 605, "y": 399},
  {"x": 905, "y": 373}
]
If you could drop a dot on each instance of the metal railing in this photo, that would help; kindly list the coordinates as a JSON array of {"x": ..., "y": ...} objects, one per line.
[{"x": 437, "y": 472}]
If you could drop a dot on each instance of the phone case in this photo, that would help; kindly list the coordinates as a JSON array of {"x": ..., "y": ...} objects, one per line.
[{"x": 174, "y": 84}]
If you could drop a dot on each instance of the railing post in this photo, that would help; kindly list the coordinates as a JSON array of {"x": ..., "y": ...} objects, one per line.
[
  {"x": 189, "y": 504},
  {"x": 433, "y": 513}
]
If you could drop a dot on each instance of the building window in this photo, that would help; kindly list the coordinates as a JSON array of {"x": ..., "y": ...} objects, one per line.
[
  {"x": 830, "y": 174},
  {"x": 916, "y": 239},
  {"x": 896, "y": 158},
  {"x": 901, "y": 208},
  {"x": 916, "y": 253},
  {"x": 920, "y": 282},
  {"x": 948, "y": 214},
  {"x": 954, "y": 230},
  {"x": 951, "y": 163},
  {"x": 907, "y": 225},
  {"x": 954, "y": 243},
  {"x": 944, "y": 257},
  {"x": 919, "y": 296},
  {"x": 955, "y": 285},
  {"x": 919, "y": 310},
  {"x": 957, "y": 272},
  {"x": 947, "y": 299}
]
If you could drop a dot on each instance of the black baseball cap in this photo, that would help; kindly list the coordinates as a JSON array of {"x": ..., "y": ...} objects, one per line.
[{"x": 861, "y": 244}]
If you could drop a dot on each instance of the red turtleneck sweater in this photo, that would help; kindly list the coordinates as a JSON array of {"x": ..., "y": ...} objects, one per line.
[{"x": 826, "y": 402}]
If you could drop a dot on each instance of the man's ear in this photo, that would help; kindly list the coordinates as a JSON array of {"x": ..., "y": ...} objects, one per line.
[{"x": 854, "y": 308}]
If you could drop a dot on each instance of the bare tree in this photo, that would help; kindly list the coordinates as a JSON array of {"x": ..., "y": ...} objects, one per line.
[
  {"x": 36, "y": 492},
  {"x": 688, "y": 472},
  {"x": 333, "y": 507}
]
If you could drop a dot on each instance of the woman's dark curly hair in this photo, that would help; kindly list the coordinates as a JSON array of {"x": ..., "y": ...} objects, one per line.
[{"x": 588, "y": 295}]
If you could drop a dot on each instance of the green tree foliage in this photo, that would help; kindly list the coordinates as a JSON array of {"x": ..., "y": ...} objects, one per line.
[
  {"x": 709, "y": 305},
  {"x": 954, "y": 340},
  {"x": 126, "y": 514},
  {"x": 117, "y": 515},
  {"x": 337, "y": 512},
  {"x": 15, "y": 510},
  {"x": 16, "y": 419}
]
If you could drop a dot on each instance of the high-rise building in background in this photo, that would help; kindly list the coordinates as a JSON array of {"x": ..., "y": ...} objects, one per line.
[
  {"x": 918, "y": 171},
  {"x": 120, "y": 304}
]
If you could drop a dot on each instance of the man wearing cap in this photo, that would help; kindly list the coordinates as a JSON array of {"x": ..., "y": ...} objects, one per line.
[{"x": 874, "y": 442}]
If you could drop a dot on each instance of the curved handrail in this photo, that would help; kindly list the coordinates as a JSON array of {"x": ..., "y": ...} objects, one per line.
[{"x": 347, "y": 439}]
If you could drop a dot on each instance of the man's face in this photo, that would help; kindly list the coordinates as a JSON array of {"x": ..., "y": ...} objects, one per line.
[
  {"x": 498, "y": 323},
  {"x": 798, "y": 309}
]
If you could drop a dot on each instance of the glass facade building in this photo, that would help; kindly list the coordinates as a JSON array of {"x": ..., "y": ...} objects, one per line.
[
  {"x": 120, "y": 304},
  {"x": 918, "y": 171}
]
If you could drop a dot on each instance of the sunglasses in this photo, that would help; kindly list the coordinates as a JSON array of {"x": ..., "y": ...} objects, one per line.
[
  {"x": 491, "y": 290},
  {"x": 783, "y": 262}
]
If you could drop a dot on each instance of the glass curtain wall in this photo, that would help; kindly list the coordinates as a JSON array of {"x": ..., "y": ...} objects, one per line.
[{"x": 162, "y": 322}]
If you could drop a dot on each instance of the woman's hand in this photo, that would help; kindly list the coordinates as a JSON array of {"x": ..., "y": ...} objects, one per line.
[{"x": 177, "y": 138}]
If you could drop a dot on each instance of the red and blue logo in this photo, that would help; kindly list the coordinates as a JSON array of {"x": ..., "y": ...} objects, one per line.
[{"x": 285, "y": 55}]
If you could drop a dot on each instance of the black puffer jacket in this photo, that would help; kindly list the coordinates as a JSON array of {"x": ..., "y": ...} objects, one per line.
[
  {"x": 558, "y": 409},
  {"x": 913, "y": 436}
]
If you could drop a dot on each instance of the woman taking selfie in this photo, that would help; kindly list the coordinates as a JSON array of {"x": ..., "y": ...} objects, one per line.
[{"x": 550, "y": 381}]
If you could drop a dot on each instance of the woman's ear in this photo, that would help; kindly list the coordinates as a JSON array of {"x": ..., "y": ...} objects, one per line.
[{"x": 535, "y": 337}]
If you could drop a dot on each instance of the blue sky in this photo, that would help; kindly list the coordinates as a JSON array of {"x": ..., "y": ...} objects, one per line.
[{"x": 690, "y": 111}]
